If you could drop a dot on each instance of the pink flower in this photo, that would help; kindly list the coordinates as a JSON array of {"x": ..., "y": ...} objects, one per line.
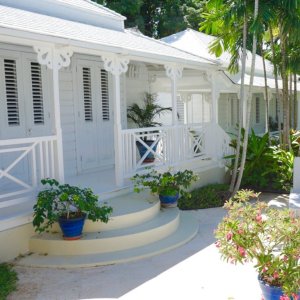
[
  {"x": 258, "y": 218},
  {"x": 242, "y": 251},
  {"x": 218, "y": 244},
  {"x": 229, "y": 236},
  {"x": 284, "y": 297},
  {"x": 275, "y": 275},
  {"x": 295, "y": 297},
  {"x": 264, "y": 269}
]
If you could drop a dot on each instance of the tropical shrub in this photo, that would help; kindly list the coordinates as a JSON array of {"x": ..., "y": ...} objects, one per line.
[
  {"x": 267, "y": 166},
  {"x": 212, "y": 195},
  {"x": 254, "y": 232}
]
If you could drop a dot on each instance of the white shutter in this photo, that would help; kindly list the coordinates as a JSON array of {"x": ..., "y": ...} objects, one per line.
[
  {"x": 37, "y": 93},
  {"x": 11, "y": 87},
  {"x": 180, "y": 110},
  {"x": 87, "y": 94},
  {"x": 105, "y": 96}
]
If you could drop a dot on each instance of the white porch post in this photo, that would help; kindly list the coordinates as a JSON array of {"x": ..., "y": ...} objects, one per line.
[
  {"x": 215, "y": 94},
  {"x": 117, "y": 65},
  {"x": 174, "y": 72},
  {"x": 56, "y": 58}
]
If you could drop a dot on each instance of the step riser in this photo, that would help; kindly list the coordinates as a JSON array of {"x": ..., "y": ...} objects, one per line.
[
  {"x": 118, "y": 222},
  {"x": 186, "y": 231},
  {"x": 103, "y": 245}
]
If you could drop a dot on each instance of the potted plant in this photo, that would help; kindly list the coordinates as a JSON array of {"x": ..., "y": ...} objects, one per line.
[
  {"x": 69, "y": 206},
  {"x": 144, "y": 117},
  {"x": 168, "y": 186},
  {"x": 267, "y": 236}
]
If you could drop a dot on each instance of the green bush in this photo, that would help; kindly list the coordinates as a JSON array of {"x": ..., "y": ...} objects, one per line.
[
  {"x": 8, "y": 280},
  {"x": 213, "y": 195}
]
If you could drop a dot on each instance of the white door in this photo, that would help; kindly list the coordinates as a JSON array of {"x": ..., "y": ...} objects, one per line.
[
  {"x": 94, "y": 136},
  {"x": 25, "y": 110}
]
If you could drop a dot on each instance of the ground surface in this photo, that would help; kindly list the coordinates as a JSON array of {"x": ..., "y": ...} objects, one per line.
[{"x": 193, "y": 271}]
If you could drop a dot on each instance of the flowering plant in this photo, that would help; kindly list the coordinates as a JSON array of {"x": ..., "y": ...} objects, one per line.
[{"x": 267, "y": 236}]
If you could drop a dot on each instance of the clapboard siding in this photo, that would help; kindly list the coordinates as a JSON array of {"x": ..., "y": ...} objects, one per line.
[{"x": 68, "y": 121}]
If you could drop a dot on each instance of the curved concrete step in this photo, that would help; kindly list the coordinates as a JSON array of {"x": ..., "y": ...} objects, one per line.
[
  {"x": 164, "y": 224},
  {"x": 187, "y": 229},
  {"x": 129, "y": 210}
]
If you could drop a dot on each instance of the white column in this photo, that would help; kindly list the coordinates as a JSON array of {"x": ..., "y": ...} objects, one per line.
[
  {"x": 56, "y": 58},
  {"x": 174, "y": 72},
  {"x": 215, "y": 94},
  {"x": 117, "y": 65}
]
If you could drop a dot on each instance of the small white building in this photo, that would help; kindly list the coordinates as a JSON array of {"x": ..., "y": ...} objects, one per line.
[
  {"x": 228, "y": 85},
  {"x": 69, "y": 69}
]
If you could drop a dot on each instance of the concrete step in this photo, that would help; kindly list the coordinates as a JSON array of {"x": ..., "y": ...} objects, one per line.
[
  {"x": 186, "y": 230},
  {"x": 162, "y": 225},
  {"x": 129, "y": 210}
]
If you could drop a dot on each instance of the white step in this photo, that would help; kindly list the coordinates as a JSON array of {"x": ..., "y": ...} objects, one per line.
[
  {"x": 187, "y": 229},
  {"x": 129, "y": 210},
  {"x": 162, "y": 225}
]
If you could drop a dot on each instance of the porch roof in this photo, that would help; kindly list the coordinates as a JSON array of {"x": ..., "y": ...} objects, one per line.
[{"x": 42, "y": 28}]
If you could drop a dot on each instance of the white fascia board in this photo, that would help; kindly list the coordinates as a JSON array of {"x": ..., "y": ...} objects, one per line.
[{"x": 12, "y": 35}]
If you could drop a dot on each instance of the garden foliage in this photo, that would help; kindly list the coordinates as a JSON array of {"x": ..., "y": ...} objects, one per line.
[{"x": 268, "y": 167}]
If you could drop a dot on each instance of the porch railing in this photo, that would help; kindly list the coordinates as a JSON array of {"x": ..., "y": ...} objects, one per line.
[
  {"x": 172, "y": 145},
  {"x": 23, "y": 163}
]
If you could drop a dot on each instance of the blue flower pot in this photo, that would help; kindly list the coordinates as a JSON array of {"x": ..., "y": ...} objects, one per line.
[
  {"x": 271, "y": 292},
  {"x": 168, "y": 201},
  {"x": 72, "y": 228},
  {"x": 142, "y": 150}
]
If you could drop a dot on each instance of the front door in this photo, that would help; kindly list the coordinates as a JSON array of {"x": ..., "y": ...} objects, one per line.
[{"x": 95, "y": 147}]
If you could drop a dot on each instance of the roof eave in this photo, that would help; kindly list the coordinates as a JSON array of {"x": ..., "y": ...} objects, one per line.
[{"x": 38, "y": 38}]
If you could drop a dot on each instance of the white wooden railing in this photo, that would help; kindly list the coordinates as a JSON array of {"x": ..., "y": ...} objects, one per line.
[
  {"x": 175, "y": 144},
  {"x": 24, "y": 162}
]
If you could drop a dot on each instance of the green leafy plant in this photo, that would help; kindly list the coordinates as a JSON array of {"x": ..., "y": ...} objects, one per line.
[
  {"x": 8, "y": 280},
  {"x": 212, "y": 195},
  {"x": 144, "y": 116},
  {"x": 267, "y": 167},
  {"x": 166, "y": 184},
  {"x": 269, "y": 237},
  {"x": 64, "y": 200}
]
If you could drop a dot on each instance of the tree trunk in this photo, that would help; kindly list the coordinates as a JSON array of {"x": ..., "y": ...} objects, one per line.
[
  {"x": 249, "y": 101},
  {"x": 285, "y": 91},
  {"x": 266, "y": 93},
  {"x": 241, "y": 108},
  {"x": 295, "y": 103},
  {"x": 291, "y": 100},
  {"x": 276, "y": 82}
]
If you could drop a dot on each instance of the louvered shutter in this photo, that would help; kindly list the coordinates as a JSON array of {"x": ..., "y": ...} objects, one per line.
[
  {"x": 11, "y": 88},
  {"x": 180, "y": 110},
  {"x": 37, "y": 93},
  {"x": 105, "y": 96},
  {"x": 87, "y": 94}
]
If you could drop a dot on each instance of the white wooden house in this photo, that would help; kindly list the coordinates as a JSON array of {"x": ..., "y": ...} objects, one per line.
[
  {"x": 228, "y": 85},
  {"x": 68, "y": 71}
]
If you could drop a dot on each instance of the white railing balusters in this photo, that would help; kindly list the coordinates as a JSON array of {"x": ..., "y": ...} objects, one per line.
[
  {"x": 174, "y": 145},
  {"x": 28, "y": 161}
]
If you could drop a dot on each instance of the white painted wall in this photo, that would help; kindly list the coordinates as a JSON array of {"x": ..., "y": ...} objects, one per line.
[{"x": 66, "y": 91}]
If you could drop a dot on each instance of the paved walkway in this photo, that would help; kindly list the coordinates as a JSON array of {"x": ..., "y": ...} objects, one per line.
[{"x": 193, "y": 271}]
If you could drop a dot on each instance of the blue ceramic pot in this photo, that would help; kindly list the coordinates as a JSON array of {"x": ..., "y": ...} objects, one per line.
[
  {"x": 142, "y": 150},
  {"x": 169, "y": 201},
  {"x": 271, "y": 292},
  {"x": 72, "y": 228}
]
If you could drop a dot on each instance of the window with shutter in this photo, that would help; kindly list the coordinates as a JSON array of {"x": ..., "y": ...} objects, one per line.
[
  {"x": 257, "y": 110},
  {"x": 105, "y": 95},
  {"x": 87, "y": 94},
  {"x": 37, "y": 93},
  {"x": 11, "y": 86}
]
